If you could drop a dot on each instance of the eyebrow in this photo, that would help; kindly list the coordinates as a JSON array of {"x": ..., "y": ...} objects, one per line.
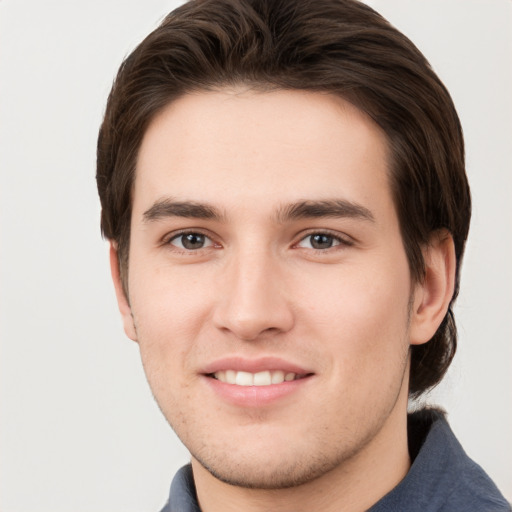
[
  {"x": 167, "y": 207},
  {"x": 333, "y": 208}
]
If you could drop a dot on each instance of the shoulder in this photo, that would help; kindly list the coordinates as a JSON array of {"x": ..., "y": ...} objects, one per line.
[
  {"x": 474, "y": 491},
  {"x": 442, "y": 478}
]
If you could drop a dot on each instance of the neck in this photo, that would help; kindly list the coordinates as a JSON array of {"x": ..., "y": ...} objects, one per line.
[{"x": 353, "y": 486}]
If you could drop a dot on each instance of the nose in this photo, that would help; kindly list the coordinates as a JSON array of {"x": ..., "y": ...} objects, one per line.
[{"x": 254, "y": 298}]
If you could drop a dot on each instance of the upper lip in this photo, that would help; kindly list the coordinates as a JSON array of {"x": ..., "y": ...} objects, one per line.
[{"x": 260, "y": 364}]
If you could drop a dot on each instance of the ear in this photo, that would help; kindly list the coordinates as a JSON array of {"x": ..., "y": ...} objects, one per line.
[
  {"x": 122, "y": 300},
  {"x": 433, "y": 295}
]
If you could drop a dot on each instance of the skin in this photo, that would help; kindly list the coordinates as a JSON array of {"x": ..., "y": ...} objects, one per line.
[{"x": 347, "y": 311}]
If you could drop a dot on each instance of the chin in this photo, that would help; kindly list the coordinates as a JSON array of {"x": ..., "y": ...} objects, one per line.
[
  {"x": 270, "y": 475},
  {"x": 281, "y": 462}
]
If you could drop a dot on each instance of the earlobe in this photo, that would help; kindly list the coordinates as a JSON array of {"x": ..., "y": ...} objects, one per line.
[
  {"x": 122, "y": 300},
  {"x": 433, "y": 295}
]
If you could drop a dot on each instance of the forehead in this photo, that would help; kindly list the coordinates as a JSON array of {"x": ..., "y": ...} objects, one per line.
[{"x": 240, "y": 147}]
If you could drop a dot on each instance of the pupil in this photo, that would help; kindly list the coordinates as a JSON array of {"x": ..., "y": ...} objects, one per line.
[
  {"x": 192, "y": 241},
  {"x": 321, "y": 241}
]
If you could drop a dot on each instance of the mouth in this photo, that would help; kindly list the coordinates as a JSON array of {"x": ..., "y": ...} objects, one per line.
[
  {"x": 261, "y": 378},
  {"x": 253, "y": 383}
]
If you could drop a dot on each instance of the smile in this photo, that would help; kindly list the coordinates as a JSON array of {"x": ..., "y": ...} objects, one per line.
[
  {"x": 263, "y": 378},
  {"x": 253, "y": 383}
]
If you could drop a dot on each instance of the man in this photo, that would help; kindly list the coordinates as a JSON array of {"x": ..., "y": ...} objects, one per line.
[{"x": 283, "y": 186}]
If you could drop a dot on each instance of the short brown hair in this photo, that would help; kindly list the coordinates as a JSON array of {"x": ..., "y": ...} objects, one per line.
[{"x": 341, "y": 47}]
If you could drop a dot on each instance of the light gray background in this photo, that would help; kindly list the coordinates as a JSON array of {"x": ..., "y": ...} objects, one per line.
[{"x": 79, "y": 428}]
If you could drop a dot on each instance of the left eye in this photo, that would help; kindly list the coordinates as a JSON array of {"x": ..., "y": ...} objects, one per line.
[
  {"x": 320, "y": 241},
  {"x": 191, "y": 241}
]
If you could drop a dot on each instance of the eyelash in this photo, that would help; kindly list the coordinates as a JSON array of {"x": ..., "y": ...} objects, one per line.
[
  {"x": 175, "y": 236},
  {"x": 339, "y": 241},
  {"x": 336, "y": 239}
]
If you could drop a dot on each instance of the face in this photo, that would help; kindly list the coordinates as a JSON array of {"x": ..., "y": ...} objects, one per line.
[{"x": 269, "y": 289}]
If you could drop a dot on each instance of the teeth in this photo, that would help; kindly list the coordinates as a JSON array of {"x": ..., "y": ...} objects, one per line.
[
  {"x": 277, "y": 377},
  {"x": 265, "y": 378},
  {"x": 244, "y": 379},
  {"x": 262, "y": 379}
]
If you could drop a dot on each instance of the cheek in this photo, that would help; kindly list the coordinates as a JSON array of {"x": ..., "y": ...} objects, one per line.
[
  {"x": 365, "y": 312},
  {"x": 170, "y": 309},
  {"x": 169, "y": 298}
]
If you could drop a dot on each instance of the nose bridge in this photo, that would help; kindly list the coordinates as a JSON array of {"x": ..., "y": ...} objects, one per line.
[{"x": 255, "y": 299}]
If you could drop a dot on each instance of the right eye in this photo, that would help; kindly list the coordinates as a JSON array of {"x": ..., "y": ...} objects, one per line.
[{"x": 190, "y": 241}]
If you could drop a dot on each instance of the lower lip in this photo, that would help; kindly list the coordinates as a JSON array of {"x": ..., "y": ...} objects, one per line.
[{"x": 255, "y": 396}]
